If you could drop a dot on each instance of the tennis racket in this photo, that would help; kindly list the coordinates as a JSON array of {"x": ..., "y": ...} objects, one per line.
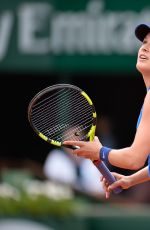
[{"x": 65, "y": 112}]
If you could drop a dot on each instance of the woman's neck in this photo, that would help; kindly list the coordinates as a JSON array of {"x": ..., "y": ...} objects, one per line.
[{"x": 146, "y": 79}]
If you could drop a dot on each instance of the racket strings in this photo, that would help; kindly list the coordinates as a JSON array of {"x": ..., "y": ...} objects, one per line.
[
  {"x": 70, "y": 134},
  {"x": 80, "y": 134},
  {"x": 51, "y": 98},
  {"x": 44, "y": 121},
  {"x": 36, "y": 117},
  {"x": 48, "y": 104},
  {"x": 53, "y": 125},
  {"x": 53, "y": 130},
  {"x": 66, "y": 121}
]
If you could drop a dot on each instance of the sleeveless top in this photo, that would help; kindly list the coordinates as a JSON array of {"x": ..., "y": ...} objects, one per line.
[{"x": 138, "y": 122}]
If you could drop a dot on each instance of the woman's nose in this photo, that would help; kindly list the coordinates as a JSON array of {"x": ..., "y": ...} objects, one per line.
[{"x": 146, "y": 48}]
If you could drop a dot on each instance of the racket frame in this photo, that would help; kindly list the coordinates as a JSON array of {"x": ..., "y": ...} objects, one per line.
[{"x": 89, "y": 136}]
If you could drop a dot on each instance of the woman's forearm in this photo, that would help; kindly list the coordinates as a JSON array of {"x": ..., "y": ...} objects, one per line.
[
  {"x": 126, "y": 181},
  {"x": 139, "y": 177},
  {"x": 126, "y": 158}
]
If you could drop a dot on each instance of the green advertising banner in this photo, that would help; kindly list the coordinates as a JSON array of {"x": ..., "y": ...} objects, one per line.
[{"x": 70, "y": 35}]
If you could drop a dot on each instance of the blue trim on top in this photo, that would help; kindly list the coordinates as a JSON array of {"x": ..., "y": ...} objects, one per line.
[
  {"x": 148, "y": 88},
  {"x": 149, "y": 154},
  {"x": 139, "y": 118},
  {"x": 149, "y": 165}
]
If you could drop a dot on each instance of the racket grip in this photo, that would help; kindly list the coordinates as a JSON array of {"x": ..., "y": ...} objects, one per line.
[{"x": 107, "y": 174}]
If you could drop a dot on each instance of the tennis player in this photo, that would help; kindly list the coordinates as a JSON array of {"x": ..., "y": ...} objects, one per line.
[{"x": 134, "y": 156}]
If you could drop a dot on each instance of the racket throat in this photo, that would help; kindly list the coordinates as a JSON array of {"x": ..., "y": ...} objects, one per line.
[{"x": 71, "y": 146}]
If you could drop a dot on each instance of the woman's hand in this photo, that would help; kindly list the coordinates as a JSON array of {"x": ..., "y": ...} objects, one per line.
[
  {"x": 121, "y": 181},
  {"x": 87, "y": 149}
]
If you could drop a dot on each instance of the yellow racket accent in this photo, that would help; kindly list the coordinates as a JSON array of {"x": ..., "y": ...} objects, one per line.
[
  {"x": 91, "y": 133},
  {"x": 43, "y": 137},
  {"x": 57, "y": 143},
  {"x": 87, "y": 97},
  {"x": 94, "y": 115}
]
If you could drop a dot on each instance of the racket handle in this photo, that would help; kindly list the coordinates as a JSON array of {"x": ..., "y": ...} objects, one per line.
[
  {"x": 103, "y": 169},
  {"x": 107, "y": 174}
]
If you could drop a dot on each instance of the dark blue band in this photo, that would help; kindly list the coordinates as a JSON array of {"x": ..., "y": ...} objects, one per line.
[{"x": 104, "y": 152}]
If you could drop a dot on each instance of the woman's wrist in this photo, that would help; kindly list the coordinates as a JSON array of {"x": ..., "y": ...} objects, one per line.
[
  {"x": 103, "y": 153},
  {"x": 130, "y": 181}
]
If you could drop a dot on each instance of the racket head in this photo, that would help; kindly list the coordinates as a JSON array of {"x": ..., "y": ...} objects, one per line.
[{"x": 62, "y": 112}]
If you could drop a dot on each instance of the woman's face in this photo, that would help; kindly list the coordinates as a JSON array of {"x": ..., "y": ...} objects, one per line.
[{"x": 143, "y": 59}]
